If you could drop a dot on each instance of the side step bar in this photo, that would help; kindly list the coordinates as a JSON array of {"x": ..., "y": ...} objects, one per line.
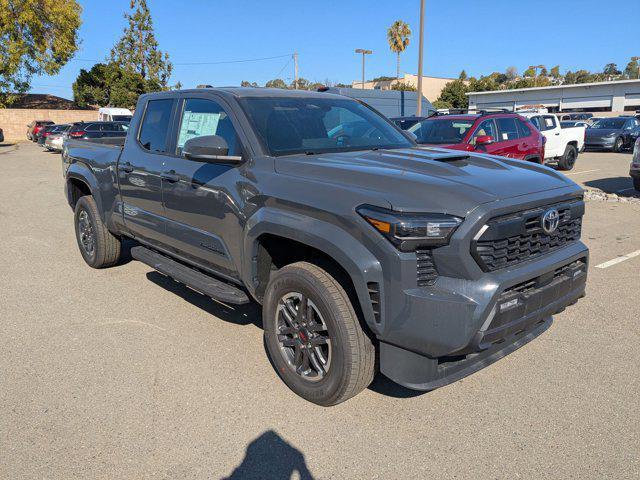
[{"x": 191, "y": 277}]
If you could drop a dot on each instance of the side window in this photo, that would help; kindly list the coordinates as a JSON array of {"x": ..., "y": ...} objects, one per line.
[
  {"x": 549, "y": 122},
  {"x": 155, "y": 125},
  {"x": 106, "y": 127},
  {"x": 629, "y": 124},
  {"x": 485, "y": 128},
  {"x": 536, "y": 122},
  {"x": 523, "y": 129},
  {"x": 508, "y": 129},
  {"x": 206, "y": 117},
  {"x": 94, "y": 127}
]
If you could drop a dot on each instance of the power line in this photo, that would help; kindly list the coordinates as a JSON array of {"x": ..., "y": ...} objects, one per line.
[{"x": 282, "y": 69}]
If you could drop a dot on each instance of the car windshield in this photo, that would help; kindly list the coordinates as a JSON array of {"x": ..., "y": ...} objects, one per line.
[
  {"x": 121, "y": 118},
  {"x": 446, "y": 130},
  {"x": 609, "y": 123},
  {"x": 314, "y": 125}
]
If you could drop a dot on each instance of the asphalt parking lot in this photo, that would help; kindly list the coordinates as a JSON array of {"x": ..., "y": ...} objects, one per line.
[{"x": 122, "y": 373}]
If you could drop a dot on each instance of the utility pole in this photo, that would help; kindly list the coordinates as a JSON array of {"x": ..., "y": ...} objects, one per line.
[
  {"x": 420, "y": 54},
  {"x": 363, "y": 52},
  {"x": 295, "y": 69}
]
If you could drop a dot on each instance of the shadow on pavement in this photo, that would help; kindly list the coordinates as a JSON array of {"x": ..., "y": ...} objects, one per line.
[
  {"x": 249, "y": 314},
  {"x": 270, "y": 456},
  {"x": 389, "y": 388},
  {"x": 621, "y": 186}
]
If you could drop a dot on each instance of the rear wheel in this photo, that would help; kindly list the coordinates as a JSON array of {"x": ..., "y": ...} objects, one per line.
[
  {"x": 568, "y": 160},
  {"x": 617, "y": 146},
  {"x": 98, "y": 246},
  {"x": 313, "y": 335},
  {"x": 636, "y": 184}
]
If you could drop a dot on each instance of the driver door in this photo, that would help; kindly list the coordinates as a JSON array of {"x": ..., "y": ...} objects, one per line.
[{"x": 202, "y": 201}]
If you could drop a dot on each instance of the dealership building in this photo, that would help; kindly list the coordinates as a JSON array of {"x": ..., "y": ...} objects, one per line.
[{"x": 618, "y": 96}]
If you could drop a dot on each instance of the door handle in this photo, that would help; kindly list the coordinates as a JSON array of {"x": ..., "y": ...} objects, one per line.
[
  {"x": 126, "y": 168},
  {"x": 557, "y": 134},
  {"x": 170, "y": 176}
]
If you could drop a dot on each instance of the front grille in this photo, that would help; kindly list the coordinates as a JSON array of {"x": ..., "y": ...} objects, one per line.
[
  {"x": 427, "y": 273},
  {"x": 511, "y": 239}
]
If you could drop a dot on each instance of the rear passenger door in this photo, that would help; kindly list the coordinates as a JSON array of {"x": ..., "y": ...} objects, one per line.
[
  {"x": 508, "y": 142},
  {"x": 203, "y": 201},
  {"x": 140, "y": 168},
  {"x": 552, "y": 131}
]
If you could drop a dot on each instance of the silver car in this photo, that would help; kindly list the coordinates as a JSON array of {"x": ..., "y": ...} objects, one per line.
[{"x": 55, "y": 140}]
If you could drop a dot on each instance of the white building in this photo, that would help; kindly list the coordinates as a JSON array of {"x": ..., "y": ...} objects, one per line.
[{"x": 617, "y": 96}]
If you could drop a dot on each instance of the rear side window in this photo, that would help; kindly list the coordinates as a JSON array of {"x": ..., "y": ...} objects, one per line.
[
  {"x": 93, "y": 127},
  {"x": 155, "y": 125},
  {"x": 523, "y": 129},
  {"x": 549, "y": 122},
  {"x": 508, "y": 129}
]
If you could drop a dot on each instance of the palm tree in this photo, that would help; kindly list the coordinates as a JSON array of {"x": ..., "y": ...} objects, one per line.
[{"x": 398, "y": 37}]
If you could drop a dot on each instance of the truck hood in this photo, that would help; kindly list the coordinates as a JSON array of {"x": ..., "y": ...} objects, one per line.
[{"x": 426, "y": 179}]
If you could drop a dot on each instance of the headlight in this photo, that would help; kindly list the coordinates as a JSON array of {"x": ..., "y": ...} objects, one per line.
[{"x": 408, "y": 231}]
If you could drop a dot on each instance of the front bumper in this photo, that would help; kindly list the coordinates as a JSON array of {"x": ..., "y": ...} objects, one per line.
[{"x": 600, "y": 143}]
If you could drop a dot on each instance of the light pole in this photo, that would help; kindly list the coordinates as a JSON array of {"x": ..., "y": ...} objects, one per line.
[
  {"x": 363, "y": 52},
  {"x": 420, "y": 51},
  {"x": 535, "y": 73}
]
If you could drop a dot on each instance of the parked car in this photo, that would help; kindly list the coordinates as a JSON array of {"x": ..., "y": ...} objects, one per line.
[
  {"x": 502, "y": 133},
  {"x": 613, "y": 133},
  {"x": 1, "y": 135},
  {"x": 109, "y": 114},
  {"x": 562, "y": 144},
  {"x": 93, "y": 130},
  {"x": 405, "y": 123},
  {"x": 576, "y": 116},
  {"x": 46, "y": 131},
  {"x": 34, "y": 127},
  {"x": 54, "y": 140},
  {"x": 634, "y": 170},
  {"x": 363, "y": 250}
]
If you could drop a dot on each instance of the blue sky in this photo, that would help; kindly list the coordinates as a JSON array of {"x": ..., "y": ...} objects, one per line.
[{"x": 478, "y": 36}]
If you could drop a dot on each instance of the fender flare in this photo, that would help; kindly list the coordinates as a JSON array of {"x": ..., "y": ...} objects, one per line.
[
  {"x": 81, "y": 172},
  {"x": 359, "y": 263}
]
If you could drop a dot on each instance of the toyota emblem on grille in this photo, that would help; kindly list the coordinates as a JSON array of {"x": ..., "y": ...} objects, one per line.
[{"x": 550, "y": 221}]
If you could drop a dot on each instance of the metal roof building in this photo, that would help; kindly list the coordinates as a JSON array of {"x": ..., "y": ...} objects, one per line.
[{"x": 616, "y": 96}]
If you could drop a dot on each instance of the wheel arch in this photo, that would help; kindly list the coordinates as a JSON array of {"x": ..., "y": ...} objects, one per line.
[
  {"x": 334, "y": 246},
  {"x": 81, "y": 181}
]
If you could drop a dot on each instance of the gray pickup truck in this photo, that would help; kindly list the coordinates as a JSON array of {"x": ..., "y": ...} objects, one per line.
[{"x": 366, "y": 252}]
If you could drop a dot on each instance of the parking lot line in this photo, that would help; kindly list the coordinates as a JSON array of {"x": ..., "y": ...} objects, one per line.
[
  {"x": 584, "y": 171},
  {"x": 619, "y": 259}
]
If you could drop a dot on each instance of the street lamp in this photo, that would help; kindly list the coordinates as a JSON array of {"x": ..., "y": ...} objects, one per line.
[
  {"x": 363, "y": 52},
  {"x": 535, "y": 73},
  {"x": 420, "y": 51}
]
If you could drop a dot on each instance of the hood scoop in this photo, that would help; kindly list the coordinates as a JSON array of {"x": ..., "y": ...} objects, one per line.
[{"x": 435, "y": 155}]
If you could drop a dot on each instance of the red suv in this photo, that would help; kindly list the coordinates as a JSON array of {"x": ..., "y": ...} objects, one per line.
[{"x": 504, "y": 134}]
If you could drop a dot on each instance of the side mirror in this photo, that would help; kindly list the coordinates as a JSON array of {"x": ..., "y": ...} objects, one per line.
[
  {"x": 209, "y": 148},
  {"x": 484, "y": 140}
]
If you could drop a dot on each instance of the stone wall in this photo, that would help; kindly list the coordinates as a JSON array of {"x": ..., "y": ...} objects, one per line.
[{"x": 14, "y": 121}]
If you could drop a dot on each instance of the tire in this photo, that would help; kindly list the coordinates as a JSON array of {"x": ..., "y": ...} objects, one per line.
[
  {"x": 636, "y": 184},
  {"x": 349, "y": 354},
  {"x": 90, "y": 231},
  {"x": 618, "y": 145},
  {"x": 568, "y": 160}
]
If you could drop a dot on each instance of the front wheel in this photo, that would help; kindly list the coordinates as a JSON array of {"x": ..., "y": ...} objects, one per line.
[
  {"x": 568, "y": 160},
  {"x": 617, "y": 146},
  {"x": 313, "y": 335},
  {"x": 636, "y": 184}
]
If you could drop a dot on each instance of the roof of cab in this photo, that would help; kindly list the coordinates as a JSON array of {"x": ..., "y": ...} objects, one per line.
[{"x": 244, "y": 92}]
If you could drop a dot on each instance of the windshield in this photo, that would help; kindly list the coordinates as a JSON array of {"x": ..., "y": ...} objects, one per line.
[
  {"x": 609, "y": 123},
  {"x": 121, "y": 118},
  {"x": 441, "y": 130},
  {"x": 312, "y": 125}
]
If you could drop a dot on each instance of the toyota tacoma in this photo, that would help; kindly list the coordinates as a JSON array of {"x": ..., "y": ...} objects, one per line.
[{"x": 367, "y": 252}]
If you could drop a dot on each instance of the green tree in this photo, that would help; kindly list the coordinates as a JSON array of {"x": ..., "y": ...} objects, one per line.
[
  {"x": 555, "y": 72},
  {"x": 631, "y": 70},
  {"x": 138, "y": 50},
  {"x": 246, "y": 83},
  {"x": 453, "y": 94},
  {"x": 112, "y": 85},
  {"x": 463, "y": 75},
  {"x": 276, "y": 83},
  {"x": 36, "y": 38},
  {"x": 438, "y": 104},
  {"x": 511, "y": 73},
  {"x": 544, "y": 72},
  {"x": 611, "y": 69},
  {"x": 529, "y": 72},
  {"x": 404, "y": 87},
  {"x": 398, "y": 36}
]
